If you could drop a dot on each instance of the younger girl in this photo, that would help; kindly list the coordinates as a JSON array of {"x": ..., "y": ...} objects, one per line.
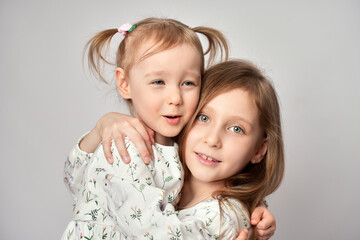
[
  {"x": 160, "y": 63},
  {"x": 233, "y": 151}
]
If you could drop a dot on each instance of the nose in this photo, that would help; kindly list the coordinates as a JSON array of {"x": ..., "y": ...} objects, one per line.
[
  {"x": 213, "y": 137},
  {"x": 174, "y": 96}
]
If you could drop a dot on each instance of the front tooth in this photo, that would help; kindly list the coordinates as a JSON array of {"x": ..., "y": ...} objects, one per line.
[{"x": 207, "y": 158}]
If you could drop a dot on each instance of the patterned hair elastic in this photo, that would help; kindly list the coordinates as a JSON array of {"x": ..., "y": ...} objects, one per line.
[{"x": 125, "y": 28}]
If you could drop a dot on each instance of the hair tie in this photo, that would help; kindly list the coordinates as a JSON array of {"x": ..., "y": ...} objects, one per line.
[{"x": 125, "y": 28}]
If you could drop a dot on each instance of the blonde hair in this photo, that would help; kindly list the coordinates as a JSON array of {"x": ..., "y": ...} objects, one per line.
[
  {"x": 165, "y": 34},
  {"x": 255, "y": 181}
]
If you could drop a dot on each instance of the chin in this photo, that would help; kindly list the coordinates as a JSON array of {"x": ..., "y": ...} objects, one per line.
[
  {"x": 170, "y": 133},
  {"x": 203, "y": 177}
]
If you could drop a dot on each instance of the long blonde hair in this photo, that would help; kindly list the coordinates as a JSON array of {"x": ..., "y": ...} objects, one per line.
[
  {"x": 165, "y": 34},
  {"x": 256, "y": 181}
]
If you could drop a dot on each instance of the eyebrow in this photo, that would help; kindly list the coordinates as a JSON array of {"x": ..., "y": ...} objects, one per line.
[
  {"x": 155, "y": 73},
  {"x": 208, "y": 108},
  {"x": 160, "y": 73},
  {"x": 194, "y": 74}
]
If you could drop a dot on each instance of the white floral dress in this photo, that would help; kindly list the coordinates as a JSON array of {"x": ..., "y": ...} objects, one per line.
[{"x": 136, "y": 201}]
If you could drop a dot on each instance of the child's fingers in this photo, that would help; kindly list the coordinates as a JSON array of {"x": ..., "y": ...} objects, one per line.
[
  {"x": 144, "y": 148},
  {"x": 257, "y": 215},
  {"x": 243, "y": 235},
  {"x": 120, "y": 145},
  {"x": 137, "y": 133},
  {"x": 266, "y": 227},
  {"x": 147, "y": 134},
  {"x": 117, "y": 126},
  {"x": 264, "y": 235},
  {"x": 266, "y": 222},
  {"x": 107, "y": 150}
]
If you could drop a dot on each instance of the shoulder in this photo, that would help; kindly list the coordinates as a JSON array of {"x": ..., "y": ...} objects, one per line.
[
  {"x": 78, "y": 157},
  {"x": 166, "y": 150},
  {"x": 168, "y": 157}
]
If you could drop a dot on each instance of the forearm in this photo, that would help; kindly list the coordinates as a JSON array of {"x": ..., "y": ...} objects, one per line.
[{"x": 90, "y": 141}]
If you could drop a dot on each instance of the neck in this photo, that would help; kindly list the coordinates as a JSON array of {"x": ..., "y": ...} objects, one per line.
[
  {"x": 196, "y": 191},
  {"x": 166, "y": 141}
]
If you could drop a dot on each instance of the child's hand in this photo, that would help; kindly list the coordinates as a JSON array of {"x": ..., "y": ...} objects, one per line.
[
  {"x": 265, "y": 223},
  {"x": 243, "y": 235},
  {"x": 116, "y": 126}
]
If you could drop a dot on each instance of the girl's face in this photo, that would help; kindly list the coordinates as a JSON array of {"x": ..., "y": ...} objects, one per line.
[
  {"x": 225, "y": 137},
  {"x": 164, "y": 89}
]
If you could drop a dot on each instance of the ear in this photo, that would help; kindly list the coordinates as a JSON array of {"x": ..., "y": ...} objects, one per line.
[
  {"x": 122, "y": 83},
  {"x": 261, "y": 151}
]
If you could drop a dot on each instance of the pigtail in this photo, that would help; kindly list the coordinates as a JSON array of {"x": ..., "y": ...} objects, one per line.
[
  {"x": 165, "y": 33},
  {"x": 95, "y": 49},
  {"x": 217, "y": 41}
]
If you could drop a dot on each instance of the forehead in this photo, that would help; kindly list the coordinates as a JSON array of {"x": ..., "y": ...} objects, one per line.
[
  {"x": 235, "y": 103},
  {"x": 181, "y": 57},
  {"x": 149, "y": 47}
]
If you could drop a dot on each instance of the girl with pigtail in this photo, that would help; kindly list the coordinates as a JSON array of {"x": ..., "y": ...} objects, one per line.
[{"x": 159, "y": 69}]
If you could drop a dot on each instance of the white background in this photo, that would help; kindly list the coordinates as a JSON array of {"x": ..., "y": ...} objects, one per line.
[{"x": 310, "y": 49}]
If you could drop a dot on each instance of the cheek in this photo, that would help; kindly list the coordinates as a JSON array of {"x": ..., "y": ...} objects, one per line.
[
  {"x": 192, "y": 137},
  {"x": 240, "y": 157},
  {"x": 192, "y": 101},
  {"x": 142, "y": 104},
  {"x": 188, "y": 140},
  {"x": 237, "y": 166}
]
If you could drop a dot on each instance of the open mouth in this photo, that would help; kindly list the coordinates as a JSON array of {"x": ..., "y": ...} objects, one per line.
[{"x": 172, "y": 119}]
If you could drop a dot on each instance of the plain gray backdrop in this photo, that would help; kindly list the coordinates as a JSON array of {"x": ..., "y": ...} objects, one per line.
[{"x": 310, "y": 49}]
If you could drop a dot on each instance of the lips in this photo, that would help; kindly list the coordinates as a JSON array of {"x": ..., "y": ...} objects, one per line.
[
  {"x": 172, "y": 119},
  {"x": 207, "y": 160}
]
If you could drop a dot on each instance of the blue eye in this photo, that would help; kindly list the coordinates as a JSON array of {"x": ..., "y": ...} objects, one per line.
[
  {"x": 236, "y": 129},
  {"x": 158, "y": 82},
  {"x": 203, "y": 118},
  {"x": 189, "y": 83}
]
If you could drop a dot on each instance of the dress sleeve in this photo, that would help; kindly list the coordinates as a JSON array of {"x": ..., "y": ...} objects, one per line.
[
  {"x": 221, "y": 220},
  {"x": 74, "y": 169},
  {"x": 233, "y": 219}
]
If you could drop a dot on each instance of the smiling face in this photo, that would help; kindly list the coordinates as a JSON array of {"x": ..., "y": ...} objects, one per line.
[
  {"x": 224, "y": 138},
  {"x": 164, "y": 89}
]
